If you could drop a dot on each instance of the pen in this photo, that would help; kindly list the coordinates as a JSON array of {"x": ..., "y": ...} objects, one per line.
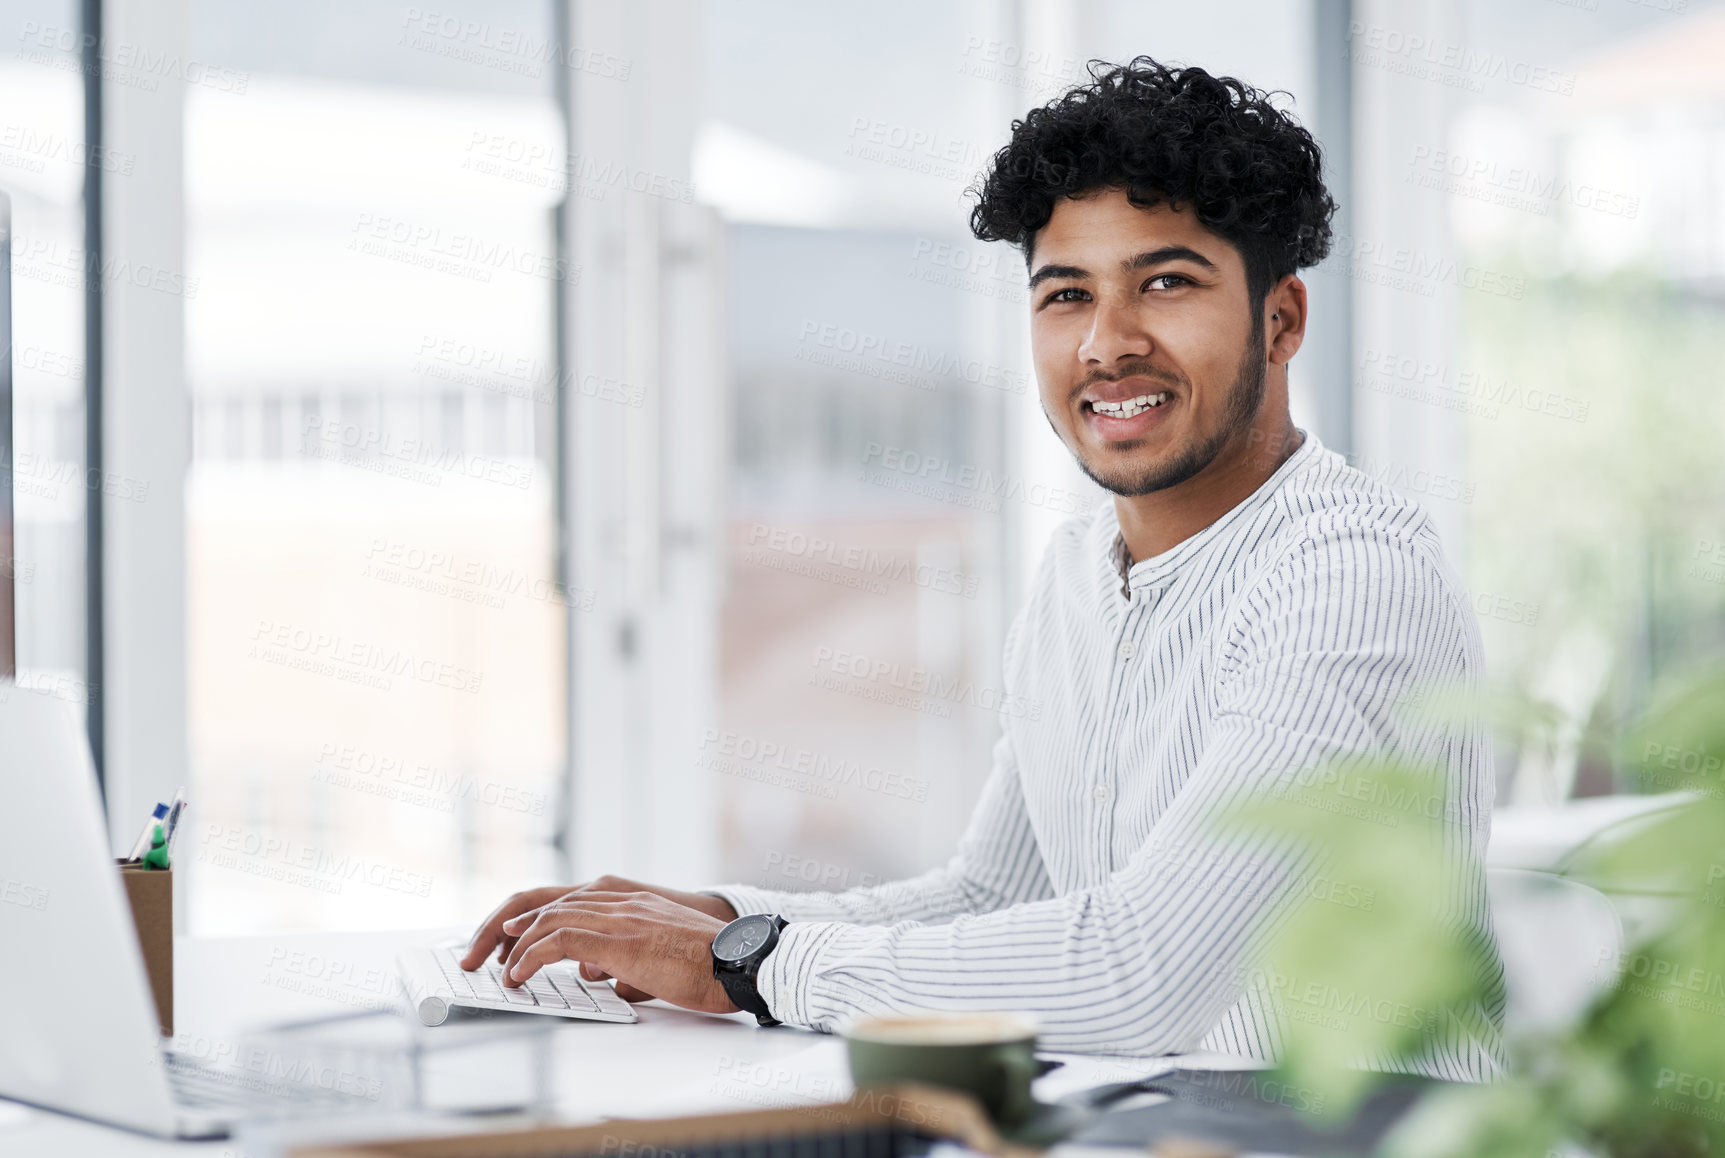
[
  {"x": 171, "y": 826},
  {"x": 142, "y": 844}
]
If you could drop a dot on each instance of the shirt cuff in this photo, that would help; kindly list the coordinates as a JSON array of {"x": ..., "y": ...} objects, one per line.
[
  {"x": 745, "y": 899},
  {"x": 788, "y": 973}
]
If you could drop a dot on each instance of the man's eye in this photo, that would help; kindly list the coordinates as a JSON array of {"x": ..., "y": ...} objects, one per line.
[
  {"x": 1166, "y": 281},
  {"x": 1060, "y": 296}
]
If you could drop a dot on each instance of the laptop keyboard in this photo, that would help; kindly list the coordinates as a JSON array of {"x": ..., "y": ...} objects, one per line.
[
  {"x": 557, "y": 986},
  {"x": 195, "y": 1084},
  {"x": 201, "y": 1086}
]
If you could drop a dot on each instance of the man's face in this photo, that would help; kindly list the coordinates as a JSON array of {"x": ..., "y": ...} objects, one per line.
[{"x": 1147, "y": 356}]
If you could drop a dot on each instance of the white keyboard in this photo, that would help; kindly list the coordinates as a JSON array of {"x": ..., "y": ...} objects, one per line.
[{"x": 436, "y": 983}]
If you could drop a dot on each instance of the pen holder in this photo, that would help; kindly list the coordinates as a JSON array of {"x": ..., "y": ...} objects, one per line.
[{"x": 151, "y": 895}]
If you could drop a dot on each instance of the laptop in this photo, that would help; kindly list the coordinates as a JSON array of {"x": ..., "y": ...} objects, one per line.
[
  {"x": 94, "y": 1049},
  {"x": 64, "y": 917}
]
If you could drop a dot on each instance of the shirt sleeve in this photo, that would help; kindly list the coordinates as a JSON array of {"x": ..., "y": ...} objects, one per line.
[
  {"x": 997, "y": 864},
  {"x": 1312, "y": 667}
]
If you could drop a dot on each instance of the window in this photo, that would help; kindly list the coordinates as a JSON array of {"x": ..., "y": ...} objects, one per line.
[
  {"x": 43, "y": 152},
  {"x": 376, "y": 642},
  {"x": 1560, "y": 236}
]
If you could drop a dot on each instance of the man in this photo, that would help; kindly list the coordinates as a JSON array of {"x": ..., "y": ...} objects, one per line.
[{"x": 1247, "y": 607}]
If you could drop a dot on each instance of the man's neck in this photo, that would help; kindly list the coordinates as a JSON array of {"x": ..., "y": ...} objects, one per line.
[{"x": 1157, "y": 522}]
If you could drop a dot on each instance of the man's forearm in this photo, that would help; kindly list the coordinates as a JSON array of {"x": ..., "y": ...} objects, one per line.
[{"x": 935, "y": 896}]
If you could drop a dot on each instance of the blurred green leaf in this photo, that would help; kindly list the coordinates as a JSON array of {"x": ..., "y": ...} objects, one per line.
[
  {"x": 1642, "y": 1075},
  {"x": 1370, "y": 966}
]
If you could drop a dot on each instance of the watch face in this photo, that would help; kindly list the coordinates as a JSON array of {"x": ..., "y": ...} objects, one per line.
[{"x": 742, "y": 937}]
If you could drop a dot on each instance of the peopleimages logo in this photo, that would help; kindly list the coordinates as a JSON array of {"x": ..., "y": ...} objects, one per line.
[
  {"x": 919, "y": 683},
  {"x": 499, "y": 46},
  {"x": 911, "y": 363},
  {"x": 851, "y": 565},
  {"x": 464, "y": 254},
  {"x": 295, "y": 862},
  {"x": 1514, "y": 186},
  {"x": 33, "y": 149},
  {"x": 409, "y": 459},
  {"x": 415, "y": 782},
  {"x": 1424, "y": 57},
  {"x": 124, "y": 63},
  {"x": 963, "y": 483},
  {"x": 1467, "y": 390},
  {"x": 1417, "y": 271},
  {"x": 1413, "y": 480},
  {"x": 354, "y": 660},
  {"x": 751, "y": 758}
]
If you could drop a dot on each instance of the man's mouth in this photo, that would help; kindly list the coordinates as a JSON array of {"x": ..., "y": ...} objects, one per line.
[
  {"x": 1128, "y": 419},
  {"x": 1129, "y": 407}
]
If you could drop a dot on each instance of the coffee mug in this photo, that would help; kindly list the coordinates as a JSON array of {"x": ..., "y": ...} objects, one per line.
[{"x": 990, "y": 1056}]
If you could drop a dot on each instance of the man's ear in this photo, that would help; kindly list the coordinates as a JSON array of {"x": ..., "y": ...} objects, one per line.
[{"x": 1284, "y": 320}]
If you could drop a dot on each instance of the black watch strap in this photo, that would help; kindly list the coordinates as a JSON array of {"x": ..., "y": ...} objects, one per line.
[
  {"x": 740, "y": 988},
  {"x": 738, "y": 979}
]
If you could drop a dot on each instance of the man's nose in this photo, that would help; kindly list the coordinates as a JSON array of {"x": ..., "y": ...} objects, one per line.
[{"x": 1116, "y": 331}]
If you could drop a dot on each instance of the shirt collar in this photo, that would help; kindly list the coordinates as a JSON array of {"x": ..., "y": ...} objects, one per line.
[
  {"x": 1123, "y": 564},
  {"x": 1146, "y": 572}
]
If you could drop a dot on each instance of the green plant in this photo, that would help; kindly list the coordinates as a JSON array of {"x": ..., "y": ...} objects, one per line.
[{"x": 1640, "y": 1075}]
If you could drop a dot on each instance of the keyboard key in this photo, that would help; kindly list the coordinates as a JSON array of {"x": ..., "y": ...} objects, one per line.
[
  {"x": 574, "y": 994},
  {"x": 543, "y": 993},
  {"x": 556, "y": 988}
]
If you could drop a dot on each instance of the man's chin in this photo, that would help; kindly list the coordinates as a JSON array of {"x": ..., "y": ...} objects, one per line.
[{"x": 1131, "y": 476}]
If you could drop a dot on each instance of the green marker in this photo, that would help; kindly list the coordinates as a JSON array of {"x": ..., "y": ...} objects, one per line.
[{"x": 157, "y": 857}]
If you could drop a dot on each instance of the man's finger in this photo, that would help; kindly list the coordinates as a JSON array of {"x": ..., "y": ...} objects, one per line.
[
  {"x": 586, "y": 894},
  {"x": 491, "y": 930},
  {"x": 519, "y": 923},
  {"x": 517, "y": 918},
  {"x": 569, "y": 941},
  {"x": 548, "y": 921},
  {"x": 624, "y": 990},
  {"x": 602, "y": 906},
  {"x": 487, "y": 935},
  {"x": 523, "y": 939},
  {"x": 586, "y": 902}
]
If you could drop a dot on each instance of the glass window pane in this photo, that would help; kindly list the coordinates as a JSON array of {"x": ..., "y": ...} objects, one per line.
[
  {"x": 376, "y": 651},
  {"x": 873, "y": 495},
  {"x": 42, "y": 159},
  {"x": 1571, "y": 172}
]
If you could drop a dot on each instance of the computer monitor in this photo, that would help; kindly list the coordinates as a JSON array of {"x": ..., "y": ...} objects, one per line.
[{"x": 8, "y": 565}]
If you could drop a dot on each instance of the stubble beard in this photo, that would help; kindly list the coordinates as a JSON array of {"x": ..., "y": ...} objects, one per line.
[{"x": 1244, "y": 399}]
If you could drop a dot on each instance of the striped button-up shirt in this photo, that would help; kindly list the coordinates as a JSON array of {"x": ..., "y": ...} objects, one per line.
[{"x": 1286, "y": 633}]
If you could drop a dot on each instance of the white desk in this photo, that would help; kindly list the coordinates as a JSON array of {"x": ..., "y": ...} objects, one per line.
[{"x": 670, "y": 1062}]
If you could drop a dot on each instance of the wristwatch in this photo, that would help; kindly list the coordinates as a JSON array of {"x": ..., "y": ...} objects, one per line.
[{"x": 738, "y": 951}]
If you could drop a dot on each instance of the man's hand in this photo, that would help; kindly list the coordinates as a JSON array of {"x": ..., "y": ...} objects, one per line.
[
  {"x": 652, "y": 945},
  {"x": 491, "y": 933}
]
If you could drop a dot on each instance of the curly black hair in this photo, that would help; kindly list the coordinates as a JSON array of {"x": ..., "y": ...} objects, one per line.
[{"x": 1248, "y": 170}]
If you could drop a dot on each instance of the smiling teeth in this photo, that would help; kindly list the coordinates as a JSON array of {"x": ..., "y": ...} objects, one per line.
[{"x": 1130, "y": 406}]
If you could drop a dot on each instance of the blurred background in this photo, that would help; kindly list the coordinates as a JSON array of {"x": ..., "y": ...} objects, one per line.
[{"x": 508, "y": 442}]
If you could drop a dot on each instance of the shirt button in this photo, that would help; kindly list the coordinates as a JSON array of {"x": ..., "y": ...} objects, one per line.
[
  {"x": 1128, "y": 649},
  {"x": 1101, "y": 792}
]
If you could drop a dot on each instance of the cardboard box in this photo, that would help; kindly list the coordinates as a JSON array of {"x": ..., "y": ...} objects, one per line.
[
  {"x": 884, "y": 1120},
  {"x": 151, "y": 893}
]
